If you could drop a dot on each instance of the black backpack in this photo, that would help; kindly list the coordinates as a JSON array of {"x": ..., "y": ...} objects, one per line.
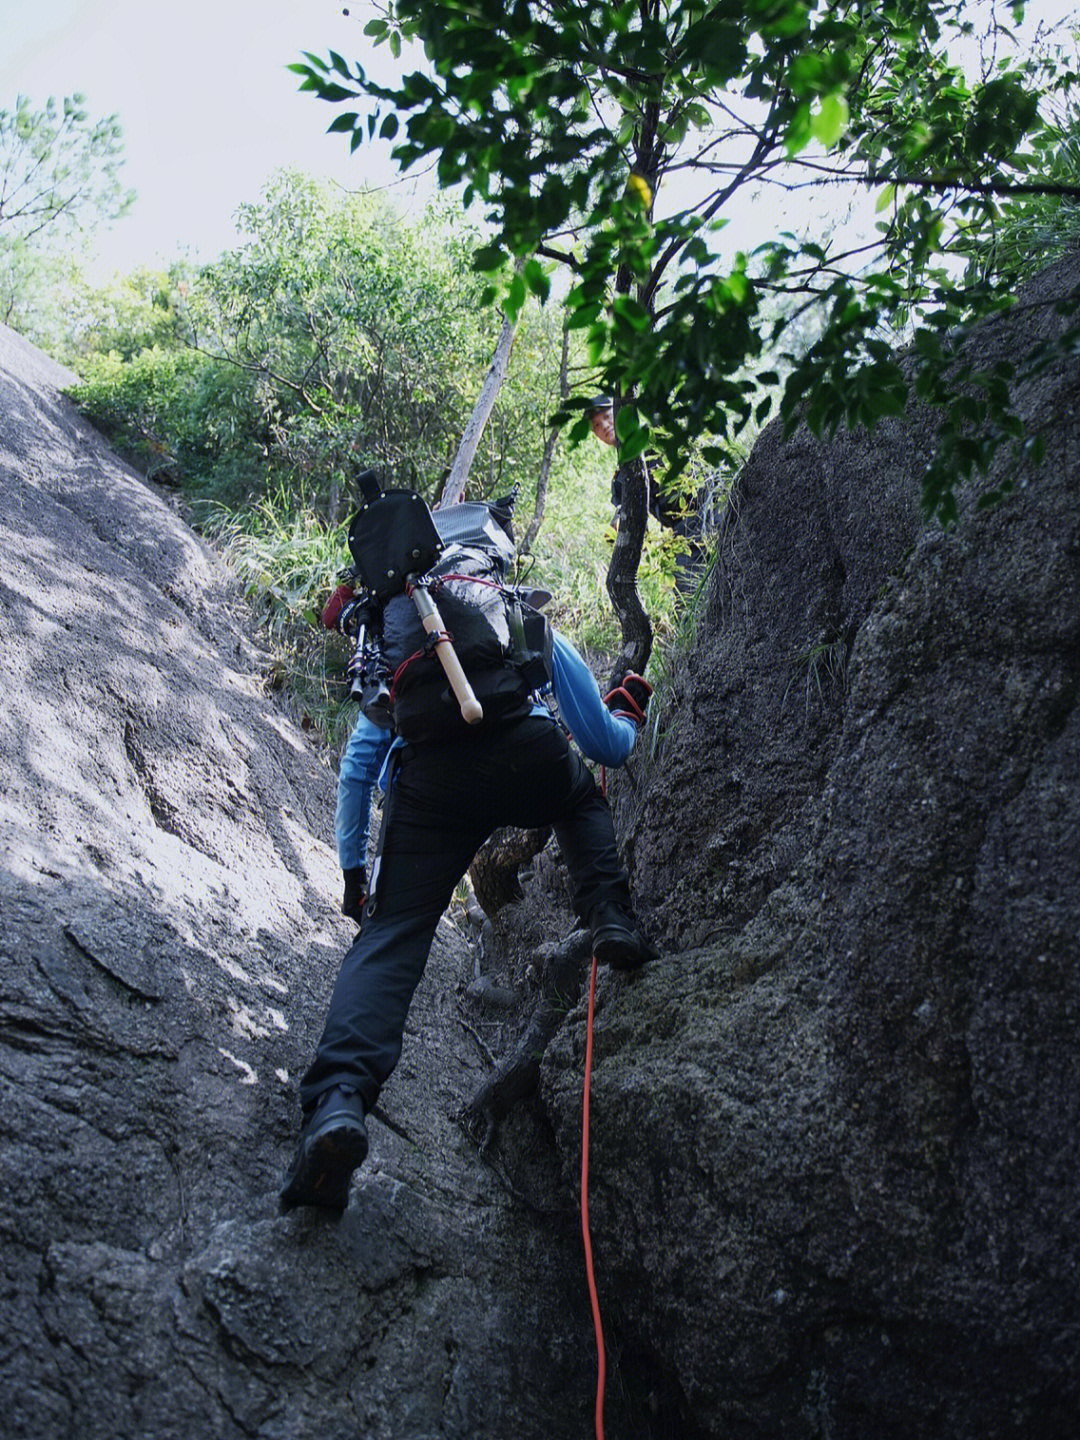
[{"x": 503, "y": 643}]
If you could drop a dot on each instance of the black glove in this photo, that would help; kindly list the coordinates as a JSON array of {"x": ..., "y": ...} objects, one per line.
[
  {"x": 631, "y": 698},
  {"x": 355, "y": 893}
]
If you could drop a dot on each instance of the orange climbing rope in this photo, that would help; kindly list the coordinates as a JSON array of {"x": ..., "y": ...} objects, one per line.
[
  {"x": 601, "y": 1355},
  {"x": 601, "y": 1358}
]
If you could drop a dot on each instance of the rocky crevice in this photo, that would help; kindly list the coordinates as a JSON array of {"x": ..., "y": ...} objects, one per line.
[{"x": 834, "y": 1151}]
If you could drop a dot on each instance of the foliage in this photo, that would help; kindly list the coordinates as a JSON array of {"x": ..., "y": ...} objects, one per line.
[
  {"x": 288, "y": 561},
  {"x": 179, "y": 413},
  {"x": 58, "y": 168},
  {"x": 336, "y": 337},
  {"x": 32, "y": 282},
  {"x": 52, "y": 303},
  {"x": 59, "y": 174},
  {"x": 1045, "y": 220},
  {"x": 570, "y": 122},
  {"x": 358, "y": 333}
]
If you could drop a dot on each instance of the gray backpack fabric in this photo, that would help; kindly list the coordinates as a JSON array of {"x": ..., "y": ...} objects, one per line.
[{"x": 503, "y": 643}]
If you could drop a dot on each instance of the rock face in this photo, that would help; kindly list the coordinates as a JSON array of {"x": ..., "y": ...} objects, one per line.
[
  {"x": 169, "y": 939},
  {"x": 837, "y": 1154},
  {"x": 835, "y": 1129}
]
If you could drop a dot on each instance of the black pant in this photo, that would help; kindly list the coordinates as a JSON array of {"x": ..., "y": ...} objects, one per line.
[{"x": 447, "y": 799}]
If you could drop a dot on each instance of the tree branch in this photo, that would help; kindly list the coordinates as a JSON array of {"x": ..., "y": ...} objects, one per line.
[
  {"x": 459, "y": 471},
  {"x": 549, "y": 452},
  {"x": 516, "y": 1076}
]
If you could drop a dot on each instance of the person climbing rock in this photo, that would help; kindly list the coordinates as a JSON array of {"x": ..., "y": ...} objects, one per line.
[
  {"x": 444, "y": 796},
  {"x": 681, "y": 514}
]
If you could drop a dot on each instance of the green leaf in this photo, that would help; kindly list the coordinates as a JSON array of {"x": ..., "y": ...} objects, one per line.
[
  {"x": 885, "y": 199},
  {"x": 334, "y": 92},
  {"x": 537, "y": 279},
  {"x": 627, "y": 308},
  {"x": 634, "y": 445},
  {"x": 831, "y": 120},
  {"x": 628, "y": 423},
  {"x": 515, "y": 298},
  {"x": 488, "y": 257},
  {"x": 342, "y": 123},
  {"x": 798, "y": 133}
]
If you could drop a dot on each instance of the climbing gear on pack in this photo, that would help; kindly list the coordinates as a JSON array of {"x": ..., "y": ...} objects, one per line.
[
  {"x": 631, "y": 698},
  {"x": 438, "y": 642},
  {"x": 391, "y": 537},
  {"x": 333, "y": 1142},
  {"x": 436, "y": 588},
  {"x": 394, "y": 542}
]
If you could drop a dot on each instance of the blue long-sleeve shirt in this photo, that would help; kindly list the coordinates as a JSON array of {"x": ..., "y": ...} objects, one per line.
[{"x": 600, "y": 735}]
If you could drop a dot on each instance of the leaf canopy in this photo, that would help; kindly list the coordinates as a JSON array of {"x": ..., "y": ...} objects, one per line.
[{"x": 614, "y": 138}]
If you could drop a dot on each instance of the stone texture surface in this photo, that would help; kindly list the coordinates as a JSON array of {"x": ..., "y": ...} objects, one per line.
[
  {"x": 169, "y": 938},
  {"x": 837, "y": 1153}
]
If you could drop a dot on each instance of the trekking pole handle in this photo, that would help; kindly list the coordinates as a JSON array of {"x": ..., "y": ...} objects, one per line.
[{"x": 471, "y": 709}]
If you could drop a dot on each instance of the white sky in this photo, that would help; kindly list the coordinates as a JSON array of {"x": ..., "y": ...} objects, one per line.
[
  {"x": 207, "y": 107},
  {"x": 209, "y": 110}
]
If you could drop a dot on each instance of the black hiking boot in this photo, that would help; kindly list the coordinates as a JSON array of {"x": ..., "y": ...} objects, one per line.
[
  {"x": 618, "y": 940},
  {"x": 332, "y": 1144}
]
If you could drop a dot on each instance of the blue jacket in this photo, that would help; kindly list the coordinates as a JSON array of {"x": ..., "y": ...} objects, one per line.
[{"x": 601, "y": 736}]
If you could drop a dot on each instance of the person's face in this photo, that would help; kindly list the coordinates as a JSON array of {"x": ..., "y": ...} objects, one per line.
[{"x": 603, "y": 426}]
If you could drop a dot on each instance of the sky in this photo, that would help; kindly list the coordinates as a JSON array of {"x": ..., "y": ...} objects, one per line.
[{"x": 209, "y": 111}]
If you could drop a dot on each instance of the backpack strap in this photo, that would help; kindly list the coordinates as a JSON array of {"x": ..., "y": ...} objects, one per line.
[{"x": 432, "y": 639}]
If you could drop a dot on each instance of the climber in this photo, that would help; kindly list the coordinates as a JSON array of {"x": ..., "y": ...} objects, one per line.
[
  {"x": 680, "y": 514},
  {"x": 601, "y": 413},
  {"x": 443, "y": 797}
]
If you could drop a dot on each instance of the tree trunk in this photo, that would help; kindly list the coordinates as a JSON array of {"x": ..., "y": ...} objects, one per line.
[
  {"x": 622, "y": 588},
  {"x": 549, "y": 453},
  {"x": 459, "y": 471},
  {"x": 517, "y": 1074},
  {"x": 622, "y": 572}
]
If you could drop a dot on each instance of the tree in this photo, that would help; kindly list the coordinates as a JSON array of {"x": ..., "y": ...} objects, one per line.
[
  {"x": 360, "y": 335},
  {"x": 335, "y": 337},
  {"x": 570, "y": 121},
  {"x": 59, "y": 170}
]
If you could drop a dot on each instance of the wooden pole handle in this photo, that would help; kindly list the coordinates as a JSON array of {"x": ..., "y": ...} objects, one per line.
[{"x": 471, "y": 709}]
